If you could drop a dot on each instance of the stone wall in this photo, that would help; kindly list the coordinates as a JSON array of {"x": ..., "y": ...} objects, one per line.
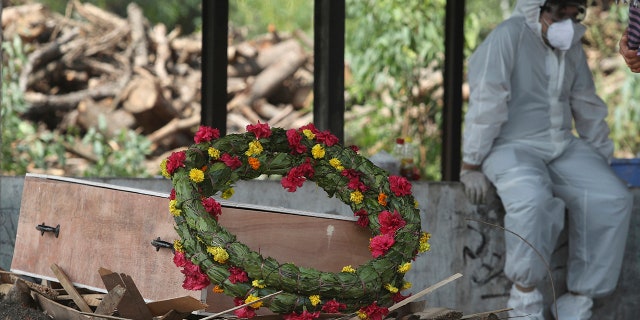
[{"x": 465, "y": 239}]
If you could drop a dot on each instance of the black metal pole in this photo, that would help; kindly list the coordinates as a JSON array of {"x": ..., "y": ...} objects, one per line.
[
  {"x": 453, "y": 72},
  {"x": 215, "y": 29},
  {"x": 328, "y": 83}
]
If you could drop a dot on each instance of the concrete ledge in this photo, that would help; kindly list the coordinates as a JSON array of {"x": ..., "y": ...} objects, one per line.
[{"x": 460, "y": 242}]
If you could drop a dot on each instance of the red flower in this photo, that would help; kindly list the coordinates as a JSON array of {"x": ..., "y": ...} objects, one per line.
[
  {"x": 354, "y": 148},
  {"x": 295, "y": 140},
  {"x": 261, "y": 130},
  {"x": 292, "y": 183},
  {"x": 311, "y": 127},
  {"x": 246, "y": 312},
  {"x": 363, "y": 218},
  {"x": 305, "y": 315},
  {"x": 238, "y": 301},
  {"x": 333, "y": 306},
  {"x": 205, "y": 134},
  {"x": 232, "y": 162},
  {"x": 297, "y": 176},
  {"x": 327, "y": 138},
  {"x": 238, "y": 275},
  {"x": 172, "y": 195},
  {"x": 400, "y": 186},
  {"x": 397, "y": 297},
  {"x": 175, "y": 161},
  {"x": 356, "y": 184},
  {"x": 194, "y": 278},
  {"x": 380, "y": 244},
  {"x": 179, "y": 259},
  {"x": 351, "y": 173},
  {"x": 212, "y": 206},
  {"x": 306, "y": 169},
  {"x": 375, "y": 312},
  {"x": 390, "y": 222}
]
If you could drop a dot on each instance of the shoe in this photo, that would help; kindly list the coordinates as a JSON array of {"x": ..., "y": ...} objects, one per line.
[
  {"x": 572, "y": 307},
  {"x": 525, "y": 305}
]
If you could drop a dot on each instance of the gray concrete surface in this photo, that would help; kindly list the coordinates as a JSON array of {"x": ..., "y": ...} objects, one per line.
[{"x": 466, "y": 239}]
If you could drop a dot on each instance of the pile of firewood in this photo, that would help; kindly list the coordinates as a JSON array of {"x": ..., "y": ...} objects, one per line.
[{"x": 89, "y": 64}]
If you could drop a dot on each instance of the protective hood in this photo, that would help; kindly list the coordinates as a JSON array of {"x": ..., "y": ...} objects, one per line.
[{"x": 530, "y": 10}]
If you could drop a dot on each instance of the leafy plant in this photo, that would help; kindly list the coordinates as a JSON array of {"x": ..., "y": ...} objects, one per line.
[
  {"x": 22, "y": 146},
  {"x": 256, "y": 16},
  {"x": 27, "y": 146},
  {"x": 394, "y": 51}
]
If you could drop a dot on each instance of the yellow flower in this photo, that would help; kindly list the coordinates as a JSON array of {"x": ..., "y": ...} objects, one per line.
[
  {"x": 255, "y": 147},
  {"x": 335, "y": 162},
  {"x": 348, "y": 269},
  {"x": 406, "y": 285},
  {"x": 315, "y": 299},
  {"x": 163, "y": 169},
  {"x": 416, "y": 204},
  {"x": 252, "y": 298},
  {"x": 424, "y": 242},
  {"x": 177, "y": 246},
  {"x": 196, "y": 175},
  {"x": 213, "y": 153},
  {"x": 317, "y": 151},
  {"x": 228, "y": 193},
  {"x": 309, "y": 134},
  {"x": 391, "y": 288},
  {"x": 217, "y": 289},
  {"x": 219, "y": 254},
  {"x": 356, "y": 197},
  {"x": 173, "y": 208},
  {"x": 404, "y": 268},
  {"x": 258, "y": 284},
  {"x": 254, "y": 163},
  {"x": 362, "y": 315}
]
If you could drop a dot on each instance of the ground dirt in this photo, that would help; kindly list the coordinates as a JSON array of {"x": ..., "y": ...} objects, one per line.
[{"x": 16, "y": 311}]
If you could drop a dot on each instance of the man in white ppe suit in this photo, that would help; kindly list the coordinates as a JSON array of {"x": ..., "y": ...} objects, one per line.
[{"x": 530, "y": 83}]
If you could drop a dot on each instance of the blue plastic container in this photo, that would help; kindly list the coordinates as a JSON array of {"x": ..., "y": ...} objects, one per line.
[{"x": 628, "y": 170}]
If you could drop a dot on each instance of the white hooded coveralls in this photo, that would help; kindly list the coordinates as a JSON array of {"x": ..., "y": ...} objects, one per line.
[{"x": 525, "y": 97}]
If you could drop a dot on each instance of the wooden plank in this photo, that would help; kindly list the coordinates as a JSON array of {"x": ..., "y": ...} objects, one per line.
[
  {"x": 116, "y": 225},
  {"x": 132, "y": 305},
  {"x": 111, "y": 300},
  {"x": 71, "y": 290},
  {"x": 181, "y": 305},
  {"x": 174, "y": 315},
  {"x": 58, "y": 311}
]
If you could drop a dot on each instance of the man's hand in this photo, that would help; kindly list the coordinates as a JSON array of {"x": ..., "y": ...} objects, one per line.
[
  {"x": 631, "y": 57},
  {"x": 476, "y": 185}
]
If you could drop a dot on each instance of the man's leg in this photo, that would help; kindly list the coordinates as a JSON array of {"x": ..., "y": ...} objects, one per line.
[
  {"x": 599, "y": 208},
  {"x": 532, "y": 212}
]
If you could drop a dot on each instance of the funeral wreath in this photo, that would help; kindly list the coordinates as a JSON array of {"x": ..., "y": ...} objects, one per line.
[{"x": 209, "y": 254}]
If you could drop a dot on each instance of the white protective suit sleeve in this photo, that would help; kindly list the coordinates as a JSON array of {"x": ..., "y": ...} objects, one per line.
[
  {"x": 589, "y": 111},
  {"x": 489, "y": 79}
]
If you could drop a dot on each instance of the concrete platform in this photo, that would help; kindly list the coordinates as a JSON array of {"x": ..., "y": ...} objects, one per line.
[{"x": 460, "y": 242}]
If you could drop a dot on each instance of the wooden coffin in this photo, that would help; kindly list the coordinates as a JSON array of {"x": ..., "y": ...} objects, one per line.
[{"x": 83, "y": 226}]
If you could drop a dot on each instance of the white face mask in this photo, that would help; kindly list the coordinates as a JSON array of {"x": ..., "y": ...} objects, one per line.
[{"x": 560, "y": 34}]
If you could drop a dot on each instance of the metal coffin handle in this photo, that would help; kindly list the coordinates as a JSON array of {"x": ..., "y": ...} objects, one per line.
[
  {"x": 45, "y": 228},
  {"x": 159, "y": 243}
]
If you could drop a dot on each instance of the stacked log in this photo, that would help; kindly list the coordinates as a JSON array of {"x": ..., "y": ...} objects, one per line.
[{"x": 90, "y": 66}]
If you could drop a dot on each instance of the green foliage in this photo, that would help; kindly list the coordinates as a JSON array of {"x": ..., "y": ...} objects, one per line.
[
  {"x": 22, "y": 147},
  {"x": 388, "y": 41},
  {"x": 26, "y": 146},
  {"x": 255, "y": 16},
  {"x": 185, "y": 14},
  {"x": 393, "y": 46},
  {"x": 618, "y": 87},
  {"x": 120, "y": 156}
]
